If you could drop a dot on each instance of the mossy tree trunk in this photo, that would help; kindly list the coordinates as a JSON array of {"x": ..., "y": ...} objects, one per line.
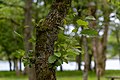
[{"x": 46, "y": 35}]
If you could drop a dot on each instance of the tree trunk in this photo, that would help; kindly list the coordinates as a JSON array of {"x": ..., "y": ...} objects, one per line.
[
  {"x": 99, "y": 57},
  {"x": 90, "y": 60},
  {"x": 14, "y": 64},
  {"x": 28, "y": 26},
  {"x": 61, "y": 68},
  {"x": 16, "y": 67},
  {"x": 79, "y": 57},
  {"x": 99, "y": 45},
  {"x": 10, "y": 64},
  {"x": 46, "y": 35},
  {"x": 78, "y": 60},
  {"x": 20, "y": 64},
  {"x": 118, "y": 41},
  {"x": 86, "y": 59},
  {"x": 37, "y": 11},
  {"x": 27, "y": 36}
]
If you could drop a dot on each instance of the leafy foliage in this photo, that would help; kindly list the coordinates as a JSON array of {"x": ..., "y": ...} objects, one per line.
[
  {"x": 12, "y": 21},
  {"x": 89, "y": 32},
  {"x": 64, "y": 48},
  {"x": 52, "y": 59},
  {"x": 90, "y": 18},
  {"x": 82, "y": 23}
]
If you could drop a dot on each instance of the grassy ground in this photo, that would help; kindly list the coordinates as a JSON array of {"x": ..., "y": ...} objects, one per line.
[
  {"x": 77, "y": 75},
  {"x": 66, "y": 75}
]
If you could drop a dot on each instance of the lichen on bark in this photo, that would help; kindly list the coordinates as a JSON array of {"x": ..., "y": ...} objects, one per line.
[{"x": 46, "y": 35}]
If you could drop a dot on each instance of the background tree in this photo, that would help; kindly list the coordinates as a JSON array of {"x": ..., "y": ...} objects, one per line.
[
  {"x": 28, "y": 30},
  {"x": 9, "y": 25}
]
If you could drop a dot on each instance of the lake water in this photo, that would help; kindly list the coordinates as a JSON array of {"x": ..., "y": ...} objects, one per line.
[{"x": 111, "y": 64}]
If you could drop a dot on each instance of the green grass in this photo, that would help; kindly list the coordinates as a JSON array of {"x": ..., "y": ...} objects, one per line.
[
  {"x": 77, "y": 75},
  {"x": 66, "y": 75},
  {"x": 6, "y": 75}
]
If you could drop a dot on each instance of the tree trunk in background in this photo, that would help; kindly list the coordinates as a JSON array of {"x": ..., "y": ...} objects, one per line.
[
  {"x": 99, "y": 58},
  {"x": 79, "y": 57},
  {"x": 37, "y": 12},
  {"x": 28, "y": 35},
  {"x": 90, "y": 60},
  {"x": 79, "y": 60},
  {"x": 61, "y": 68},
  {"x": 14, "y": 64},
  {"x": 16, "y": 67},
  {"x": 118, "y": 41},
  {"x": 99, "y": 45},
  {"x": 46, "y": 35},
  {"x": 10, "y": 64},
  {"x": 86, "y": 59},
  {"x": 20, "y": 64},
  {"x": 102, "y": 45}
]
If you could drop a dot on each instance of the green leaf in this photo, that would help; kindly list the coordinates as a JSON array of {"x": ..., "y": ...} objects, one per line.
[
  {"x": 64, "y": 20},
  {"x": 20, "y": 52},
  {"x": 90, "y": 18},
  {"x": 65, "y": 60},
  {"x": 82, "y": 23},
  {"x": 77, "y": 51},
  {"x": 59, "y": 62},
  {"x": 61, "y": 38},
  {"x": 33, "y": 40},
  {"x": 52, "y": 59},
  {"x": 25, "y": 62},
  {"x": 75, "y": 30},
  {"x": 77, "y": 46},
  {"x": 58, "y": 54},
  {"x": 63, "y": 45},
  {"x": 72, "y": 52},
  {"x": 61, "y": 28},
  {"x": 89, "y": 32},
  {"x": 18, "y": 34}
]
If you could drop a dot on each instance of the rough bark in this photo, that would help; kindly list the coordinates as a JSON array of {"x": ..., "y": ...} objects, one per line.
[
  {"x": 28, "y": 35},
  {"x": 46, "y": 35}
]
